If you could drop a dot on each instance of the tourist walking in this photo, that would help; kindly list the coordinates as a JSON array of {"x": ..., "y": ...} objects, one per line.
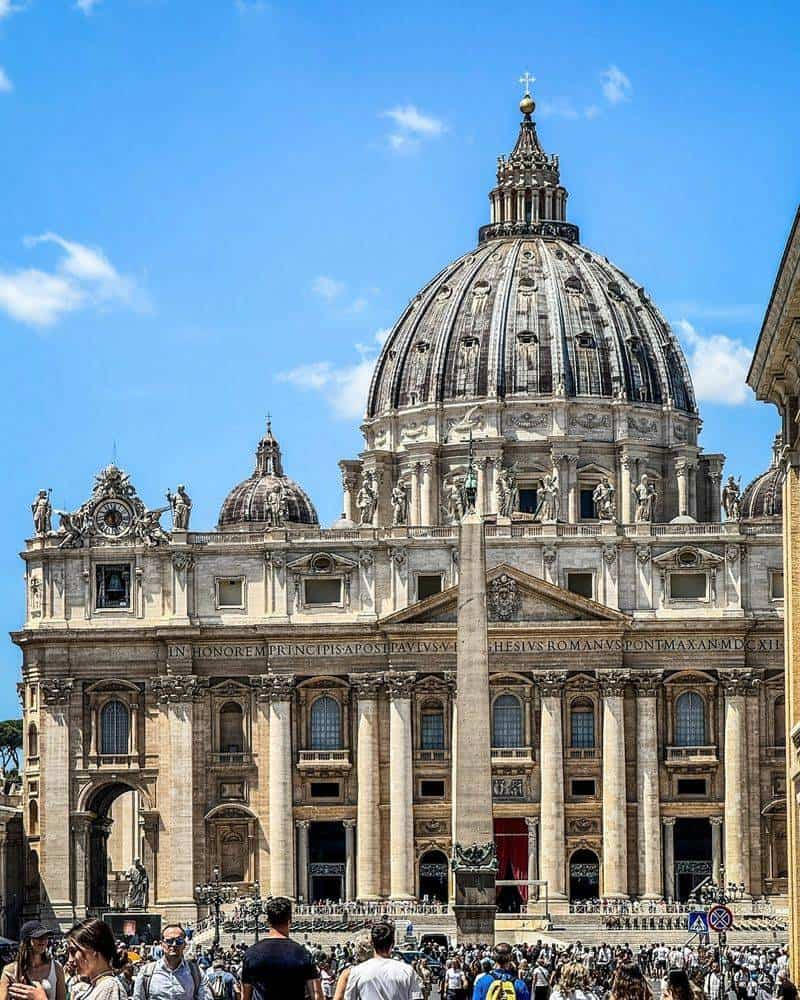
[
  {"x": 221, "y": 982},
  {"x": 362, "y": 952},
  {"x": 382, "y": 977},
  {"x": 501, "y": 983},
  {"x": 278, "y": 968},
  {"x": 35, "y": 965},
  {"x": 173, "y": 977},
  {"x": 95, "y": 957}
]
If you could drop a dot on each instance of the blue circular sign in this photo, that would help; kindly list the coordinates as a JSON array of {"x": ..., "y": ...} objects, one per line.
[{"x": 720, "y": 918}]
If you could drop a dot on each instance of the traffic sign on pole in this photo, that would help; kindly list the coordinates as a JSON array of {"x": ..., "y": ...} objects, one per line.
[
  {"x": 698, "y": 922},
  {"x": 720, "y": 918}
]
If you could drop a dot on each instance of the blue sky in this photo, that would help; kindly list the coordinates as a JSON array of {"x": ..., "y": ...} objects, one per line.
[{"x": 213, "y": 208}]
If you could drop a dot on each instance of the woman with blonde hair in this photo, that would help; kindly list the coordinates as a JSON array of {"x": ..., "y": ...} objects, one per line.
[
  {"x": 362, "y": 952},
  {"x": 572, "y": 983}
]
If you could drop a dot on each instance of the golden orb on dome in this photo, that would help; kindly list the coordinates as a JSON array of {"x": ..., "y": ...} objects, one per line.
[{"x": 527, "y": 105}]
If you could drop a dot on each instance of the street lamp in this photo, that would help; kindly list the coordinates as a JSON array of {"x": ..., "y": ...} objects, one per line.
[
  {"x": 214, "y": 894},
  {"x": 253, "y": 907}
]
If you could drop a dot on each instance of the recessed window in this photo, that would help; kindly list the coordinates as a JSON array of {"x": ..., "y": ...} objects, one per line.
[
  {"x": 431, "y": 789},
  {"x": 230, "y": 592},
  {"x": 325, "y": 789},
  {"x": 432, "y": 729},
  {"x": 587, "y": 505},
  {"x": 527, "y": 500},
  {"x": 582, "y": 787},
  {"x": 688, "y": 586},
  {"x": 113, "y": 586},
  {"x": 691, "y": 786},
  {"x": 776, "y": 585},
  {"x": 428, "y": 584},
  {"x": 326, "y": 591},
  {"x": 580, "y": 583}
]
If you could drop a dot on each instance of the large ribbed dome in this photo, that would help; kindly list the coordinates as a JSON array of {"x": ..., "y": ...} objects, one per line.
[
  {"x": 530, "y": 312},
  {"x": 763, "y": 497}
]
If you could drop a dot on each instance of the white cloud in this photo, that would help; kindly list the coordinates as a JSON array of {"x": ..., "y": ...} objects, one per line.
[
  {"x": 83, "y": 277},
  {"x": 344, "y": 386},
  {"x": 7, "y": 8},
  {"x": 718, "y": 364},
  {"x": 6, "y": 86},
  {"x": 358, "y": 305},
  {"x": 412, "y": 126},
  {"x": 616, "y": 86},
  {"x": 86, "y": 6},
  {"x": 327, "y": 288}
]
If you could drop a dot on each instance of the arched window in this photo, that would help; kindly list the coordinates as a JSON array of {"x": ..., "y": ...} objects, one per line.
[
  {"x": 432, "y": 727},
  {"x": 326, "y": 724},
  {"x": 114, "y": 728},
  {"x": 33, "y": 740},
  {"x": 581, "y": 723},
  {"x": 779, "y": 721},
  {"x": 231, "y": 730},
  {"x": 507, "y": 722},
  {"x": 690, "y": 720},
  {"x": 33, "y": 819}
]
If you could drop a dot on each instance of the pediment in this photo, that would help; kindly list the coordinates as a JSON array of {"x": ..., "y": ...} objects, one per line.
[
  {"x": 687, "y": 557},
  {"x": 322, "y": 563},
  {"x": 513, "y": 596}
]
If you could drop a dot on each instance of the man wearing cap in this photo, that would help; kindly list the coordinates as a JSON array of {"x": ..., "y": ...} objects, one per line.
[{"x": 172, "y": 977}]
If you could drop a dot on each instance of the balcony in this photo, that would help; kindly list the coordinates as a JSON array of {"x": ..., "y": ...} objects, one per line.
[
  {"x": 431, "y": 756},
  {"x": 115, "y": 760},
  {"x": 583, "y": 753},
  {"x": 235, "y": 758},
  {"x": 696, "y": 756},
  {"x": 328, "y": 761},
  {"x": 512, "y": 755}
]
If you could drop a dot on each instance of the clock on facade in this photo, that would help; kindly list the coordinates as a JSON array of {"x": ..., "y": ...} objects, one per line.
[{"x": 113, "y": 518}]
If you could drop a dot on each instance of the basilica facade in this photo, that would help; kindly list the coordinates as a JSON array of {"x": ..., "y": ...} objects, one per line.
[{"x": 276, "y": 699}]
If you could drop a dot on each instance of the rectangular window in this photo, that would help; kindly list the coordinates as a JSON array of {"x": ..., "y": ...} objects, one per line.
[
  {"x": 325, "y": 591},
  {"x": 431, "y": 789},
  {"x": 527, "y": 500},
  {"x": 583, "y": 786},
  {"x": 428, "y": 584},
  {"x": 432, "y": 731},
  {"x": 776, "y": 585},
  {"x": 230, "y": 592},
  {"x": 587, "y": 505},
  {"x": 582, "y": 728},
  {"x": 325, "y": 789},
  {"x": 113, "y": 586},
  {"x": 688, "y": 586},
  {"x": 580, "y": 583},
  {"x": 691, "y": 786}
]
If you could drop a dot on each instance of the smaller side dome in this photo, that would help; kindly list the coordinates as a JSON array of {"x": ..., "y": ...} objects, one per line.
[
  {"x": 268, "y": 499},
  {"x": 763, "y": 497}
]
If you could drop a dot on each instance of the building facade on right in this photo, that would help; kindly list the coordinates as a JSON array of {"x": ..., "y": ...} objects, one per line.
[{"x": 775, "y": 378}]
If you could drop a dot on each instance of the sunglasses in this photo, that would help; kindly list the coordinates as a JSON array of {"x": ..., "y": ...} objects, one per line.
[{"x": 175, "y": 942}]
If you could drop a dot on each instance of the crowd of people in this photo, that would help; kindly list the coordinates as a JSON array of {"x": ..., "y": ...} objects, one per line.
[{"x": 90, "y": 964}]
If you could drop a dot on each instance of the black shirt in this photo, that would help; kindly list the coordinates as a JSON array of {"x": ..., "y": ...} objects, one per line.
[{"x": 278, "y": 969}]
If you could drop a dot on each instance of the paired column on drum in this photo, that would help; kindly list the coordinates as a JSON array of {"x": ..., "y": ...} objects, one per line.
[
  {"x": 277, "y": 691},
  {"x": 368, "y": 841},
  {"x": 647, "y": 787},
  {"x": 552, "y": 858},
  {"x": 615, "y": 799},
  {"x": 737, "y": 860},
  {"x": 401, "y": 785}
]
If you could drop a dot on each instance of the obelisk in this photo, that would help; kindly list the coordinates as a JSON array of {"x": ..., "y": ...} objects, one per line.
[{"x": 474, "y": 855}]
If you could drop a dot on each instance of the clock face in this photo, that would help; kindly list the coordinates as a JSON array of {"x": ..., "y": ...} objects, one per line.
[{"x": 113, "y": 518}]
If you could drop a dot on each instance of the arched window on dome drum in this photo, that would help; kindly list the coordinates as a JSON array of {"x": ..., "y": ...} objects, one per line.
[
  {"x": 779, "y": 721},
  {"x": 507, "y": 722},
  {"x": 326, "y": 724},
  {"x": 432, "y": 727},
  {"x": 581, "y": 724},
  {"x": 114, "y": 728},
  {"x": 690, "y": 720},
  {"x": 231, "y": 728}
]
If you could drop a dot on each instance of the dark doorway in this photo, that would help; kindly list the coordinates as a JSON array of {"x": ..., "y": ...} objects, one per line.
[
  {"x": 433, "y": 872},
  {"x": 511, "y": 840},
  {"x": 99, "y": 831},
  {"x": 584, "y": 876},
  {"x": 326, "y": 861},
  {"x": 692, "y": 855}
]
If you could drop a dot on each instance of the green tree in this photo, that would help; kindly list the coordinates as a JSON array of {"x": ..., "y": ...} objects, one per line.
[{"x": 10, "y": 745}]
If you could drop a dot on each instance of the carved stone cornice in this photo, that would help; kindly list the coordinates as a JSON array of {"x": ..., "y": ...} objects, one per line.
[
  {"x": 273, "y": 687},
  {"x": 739, "y": 682},
  {"x": 182, "y": 561},
  {"x": 56, "y": 690},
  {"x": 399, "y": 685},
  {"x": 171, "y": 689},
  {"x": 613, "y": 682},
  {"x": 367, "y": 686},
  {"x": 551, "y": 682},
  {"x": 647, "y": 685}
]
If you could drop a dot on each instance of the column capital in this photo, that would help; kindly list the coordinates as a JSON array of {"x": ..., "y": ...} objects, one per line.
[
  {"x": 647, "y": 685},
  {"x": 551, "y": 682},
  {"x": 532, "y": 823},
  {"x": 273, "y": 687},
  {"x": 715, "y": 820},
  {"x": 367, "y": 686},
  {"x": 302, "y": 824},
  {"x": 400, "y": 685},
  {"x": 613, "y": 682},
  {"x": 738, "y": 682},
  {"x": 171, "y": 689},
  {"x": 668, "y": 820},
  {"x": 81, "y": 821},
  {"x": 349, "y": 824}
]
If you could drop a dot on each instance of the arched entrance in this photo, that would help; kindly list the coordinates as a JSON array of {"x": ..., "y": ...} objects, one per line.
[
  {"x": 511, "y": 841},
  {"x": 692, "y": 855},
  {"x": 327, "y": 862},
  {"x": 433, "y": 874},
  {"x": 115, "y": 801},
  {"x": 584, "y": 876}
]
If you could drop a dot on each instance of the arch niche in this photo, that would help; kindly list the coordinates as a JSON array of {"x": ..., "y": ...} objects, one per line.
[
  {"x": 97, "y": 806},
  {"x": 584, "y": 875},
  {"x": 433, "y": 875}
]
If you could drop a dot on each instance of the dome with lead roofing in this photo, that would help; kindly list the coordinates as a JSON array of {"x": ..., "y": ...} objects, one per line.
[{"x": 763, "y": 497}]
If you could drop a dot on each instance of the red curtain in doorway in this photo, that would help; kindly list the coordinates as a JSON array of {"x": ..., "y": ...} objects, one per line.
[{"x": 511, "y": 839}]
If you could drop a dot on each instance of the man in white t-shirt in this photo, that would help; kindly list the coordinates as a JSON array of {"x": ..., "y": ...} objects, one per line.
[{"x": 382, "y": 977}]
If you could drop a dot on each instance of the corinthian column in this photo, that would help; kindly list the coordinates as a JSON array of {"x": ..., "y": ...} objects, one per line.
[
  {"x": 682, "y": 472},
  {"x": 368, "y": 834},
  {"x": 276, "y": 690},
  {"x": 54, "y": 820},
  {"x": 615, "y": 799},
  {"x": 552, "y": 856},
  {"x": 737, "y": 861},
  {"x": 401, "y": 786},
  {"x": 647, "y": 788}
]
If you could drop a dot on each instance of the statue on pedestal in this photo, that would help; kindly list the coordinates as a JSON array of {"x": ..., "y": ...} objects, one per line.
[
  {"x": 605, "y": 507},
  {"x": 732, "y": 499},
  {"x": 399, "y": 505},
  {"x": 42, "y": 514},
  {"x": 547, "y": 511},
  {"x": 646, "y": 496},
  {"x": 507, "y": 492},
  {"x": 139, "y": 885},
  {"x": 181, "y": 504},
  {"x": 367, "y": 498}
]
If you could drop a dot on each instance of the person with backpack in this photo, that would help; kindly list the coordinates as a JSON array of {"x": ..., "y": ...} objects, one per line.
[
  {"x": 221, "y": 984},
  {"x": 500, "y": 983},
  {"x": 172, "y": 977}
]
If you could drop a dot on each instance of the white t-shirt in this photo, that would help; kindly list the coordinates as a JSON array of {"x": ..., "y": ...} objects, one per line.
[{"x": 382, "y": 979}]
